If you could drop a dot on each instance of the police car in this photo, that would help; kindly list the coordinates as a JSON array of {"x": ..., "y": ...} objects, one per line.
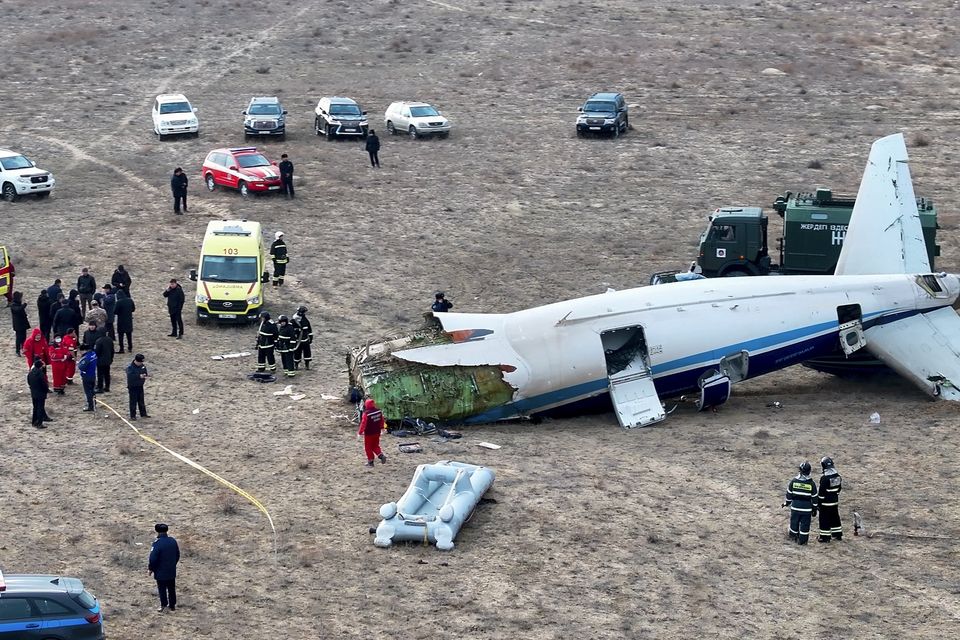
[{"x": 47, "y": 608}]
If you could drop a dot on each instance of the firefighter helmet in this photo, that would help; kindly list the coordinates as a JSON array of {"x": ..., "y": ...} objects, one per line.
[
  {"x": 826, "y": 462},
  {"x": 264, "y": 315},
  {"x": 805, "y": 468},
  {"x": 283, "y": 319},
  {"x": 301, "y": 309}
]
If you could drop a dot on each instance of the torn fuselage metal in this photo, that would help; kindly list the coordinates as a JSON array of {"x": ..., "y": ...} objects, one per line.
[{"x": 448, "y": 390}]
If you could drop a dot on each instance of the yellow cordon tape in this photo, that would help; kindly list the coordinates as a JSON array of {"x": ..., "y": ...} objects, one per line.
[{"x": 253, "y": 500}]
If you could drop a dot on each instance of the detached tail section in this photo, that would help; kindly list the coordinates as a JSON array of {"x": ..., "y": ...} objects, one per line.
[{"x": 884, "y": 235}]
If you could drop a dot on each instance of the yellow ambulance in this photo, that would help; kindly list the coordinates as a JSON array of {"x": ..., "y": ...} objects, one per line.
[{"x": 231, "y": 272}]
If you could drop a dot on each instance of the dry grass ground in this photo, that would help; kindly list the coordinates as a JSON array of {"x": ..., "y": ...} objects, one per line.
[{"x": 669, "y": 532}]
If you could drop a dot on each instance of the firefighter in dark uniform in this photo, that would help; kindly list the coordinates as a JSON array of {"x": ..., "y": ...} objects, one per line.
[
  {"x": 829, "y": 501},
  {"x": 303, "y": 353},
  {"x": 266, "y": 339},
  {"x": 287, "y": 338},
  {"x": 802, "y": 498},
  {"x": 278, "y": 253},
  {"x": 286, "y": 175}
]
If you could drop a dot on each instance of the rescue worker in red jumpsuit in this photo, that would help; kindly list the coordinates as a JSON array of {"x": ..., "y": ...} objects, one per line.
[
  {"x": 36, "y": 346},
  {"x": 59, "y": 355},
  {"x": 371, "y": 424},
  {"x": 70, "y": 341}
]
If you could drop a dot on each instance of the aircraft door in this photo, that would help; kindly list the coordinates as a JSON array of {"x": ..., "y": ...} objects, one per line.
[
  {"x": 851, "y": 328},
  {"x": 634, "y": 397}
]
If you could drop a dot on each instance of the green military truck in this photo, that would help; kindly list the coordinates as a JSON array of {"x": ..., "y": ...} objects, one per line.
[{"x": 814, "y": 225}]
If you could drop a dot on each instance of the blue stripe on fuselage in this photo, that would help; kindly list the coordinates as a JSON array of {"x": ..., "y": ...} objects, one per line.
[{"x": 673, "y": 384}]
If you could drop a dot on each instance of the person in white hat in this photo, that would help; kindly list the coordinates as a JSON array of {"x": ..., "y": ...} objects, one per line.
[{"x": 278, "y": 253}]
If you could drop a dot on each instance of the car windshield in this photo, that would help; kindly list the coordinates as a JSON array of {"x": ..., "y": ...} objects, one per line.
[
  {"x": 15, "y": 162},
  {"x": 248, "y": 160},
  {"x": 175, "y": 107},
  {"x": 601, "y": 107},
  {"x": 264, "y": 110},
  {"x": 344, "y": 110},
  {"x": 228, "y": 269},
  {"x": 422, "y": 112}
]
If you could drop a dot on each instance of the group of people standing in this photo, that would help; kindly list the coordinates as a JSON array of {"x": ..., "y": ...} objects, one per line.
[
  {"x": 107, "y": 317},
  {"x": 805, "y": 501},
  {"x": 290, "y": 337}
]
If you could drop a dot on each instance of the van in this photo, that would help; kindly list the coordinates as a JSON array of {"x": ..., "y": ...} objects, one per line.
[{"x": 231, "y": 272}]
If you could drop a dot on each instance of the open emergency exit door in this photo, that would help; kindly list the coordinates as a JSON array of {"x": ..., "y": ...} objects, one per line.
[
  {"x": 634, "y": 398},
  {"x": 851, "y": 328}
]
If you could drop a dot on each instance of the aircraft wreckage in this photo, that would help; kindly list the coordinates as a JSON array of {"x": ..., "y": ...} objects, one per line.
[{"x": 701, "y": 336}]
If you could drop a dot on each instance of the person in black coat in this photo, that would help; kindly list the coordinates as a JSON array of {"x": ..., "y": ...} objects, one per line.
[
  {"x": 124, "y": 319},
  {"x": 39, "y": 388},
  {"x": 18, "y": 314},
  {"x": 174, "y": 295},
  {"x": 86, "y": 287},
  {"x": 373, "y": 148},
  {"x": 178, "y": 184},
  {"x": 54, "y": 291},
  {"x": 136, "y": 377},
  {"x": 286, "y": 175},
  {"x": 45, "y": 313},
  {"x": 121, "y": 280},
  {"x": 103, "y": 347},
  {"x": 91, "y": 334},
  {"x": 164, "y": 556},
  {"x": 74, "y": 302},
  {"x": 109, "y": 304},
  {"x": 64, "y": 319}
]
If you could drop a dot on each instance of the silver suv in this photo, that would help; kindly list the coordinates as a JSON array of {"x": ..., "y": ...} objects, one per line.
[
  {"x": 264, "y": 117},
  {"x": 340, "y": 117}
]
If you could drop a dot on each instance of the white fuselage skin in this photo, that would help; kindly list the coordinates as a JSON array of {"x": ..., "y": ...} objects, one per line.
[{"x": 688, "y": 326}]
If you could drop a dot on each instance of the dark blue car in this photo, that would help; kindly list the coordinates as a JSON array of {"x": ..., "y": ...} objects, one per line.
[{"x": 47, "y": 608}]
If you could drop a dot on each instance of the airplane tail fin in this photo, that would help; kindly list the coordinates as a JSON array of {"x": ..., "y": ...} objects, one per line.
[{"x": 884, "y": 235}]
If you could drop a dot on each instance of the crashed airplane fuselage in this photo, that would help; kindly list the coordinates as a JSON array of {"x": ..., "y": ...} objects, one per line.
[{"x": 701, "y": 336}]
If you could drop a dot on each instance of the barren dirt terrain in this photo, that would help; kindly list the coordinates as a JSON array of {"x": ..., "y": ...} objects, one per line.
[{"x": 669, "y": 532}]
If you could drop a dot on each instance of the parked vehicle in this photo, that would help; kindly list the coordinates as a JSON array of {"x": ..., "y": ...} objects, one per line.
[
  {"x": 231, "y": 272},
  {"x": 336, "y": 116},
  {"x": 416, "y": 119},
  {"x": 241, "y": 168},
  {"x": 20, "y": 176},
  {"x": 264, "y": 116},
  {"x": 603, "y": 113},
  {"x": 173, "y": 114},
  {"x": 47, "y": 608},
  {"x": 814, "y": 226}
]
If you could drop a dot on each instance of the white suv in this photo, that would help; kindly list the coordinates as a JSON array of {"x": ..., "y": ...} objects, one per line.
[
  {"x": 416, "y": 119},
  {"x": 20, "y": 176},
  {"x": 172, "y": 114}
]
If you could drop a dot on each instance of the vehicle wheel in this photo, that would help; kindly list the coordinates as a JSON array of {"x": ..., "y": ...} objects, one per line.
[
  {"x": 413, "y": 132},
  {"x": 316, "y": 125},
  {"x": 244, "y": 191},
  {"x": 616, "y": 130},
  {"x": 9, "y": 192},
  {"x": 736, "y": 273},
  {"x": 392, "y": 130},
  {"x": 211, "y": 185},
  {"x": 579, "y": 133},
  {"x": 196, "y": 134},
  {"x": 159, "y": 136}
]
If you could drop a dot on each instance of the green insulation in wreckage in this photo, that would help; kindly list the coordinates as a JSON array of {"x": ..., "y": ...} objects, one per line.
[{"x": 445, "y": 393}]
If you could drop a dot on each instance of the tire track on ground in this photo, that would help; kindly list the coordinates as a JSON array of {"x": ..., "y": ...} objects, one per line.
[
  {"x": 213, "y": 210},
  {"x": 534, "y": 21}
]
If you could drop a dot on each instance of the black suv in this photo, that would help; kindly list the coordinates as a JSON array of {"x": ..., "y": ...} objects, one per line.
[
  {"x": 47, "y": 608},
  {"x": 603, "y": 113}
]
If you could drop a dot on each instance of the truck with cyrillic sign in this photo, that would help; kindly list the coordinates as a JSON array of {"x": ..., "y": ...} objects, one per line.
[
  {"x": 231, "y": 272},
  {"x": 814, "y": 226}
]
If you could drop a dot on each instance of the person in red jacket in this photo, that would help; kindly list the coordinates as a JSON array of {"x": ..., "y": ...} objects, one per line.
[
  {"x": 36, "y": 346},
  {"x": 371, "y": 424},
  {"x": 59, "y": 355},
  {"x": 70, "y": 342}
]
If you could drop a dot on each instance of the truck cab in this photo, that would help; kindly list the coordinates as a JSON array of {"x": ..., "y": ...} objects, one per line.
[
  {"x": 734, "y": 243},
  {"x": 231, "y": 272}
]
